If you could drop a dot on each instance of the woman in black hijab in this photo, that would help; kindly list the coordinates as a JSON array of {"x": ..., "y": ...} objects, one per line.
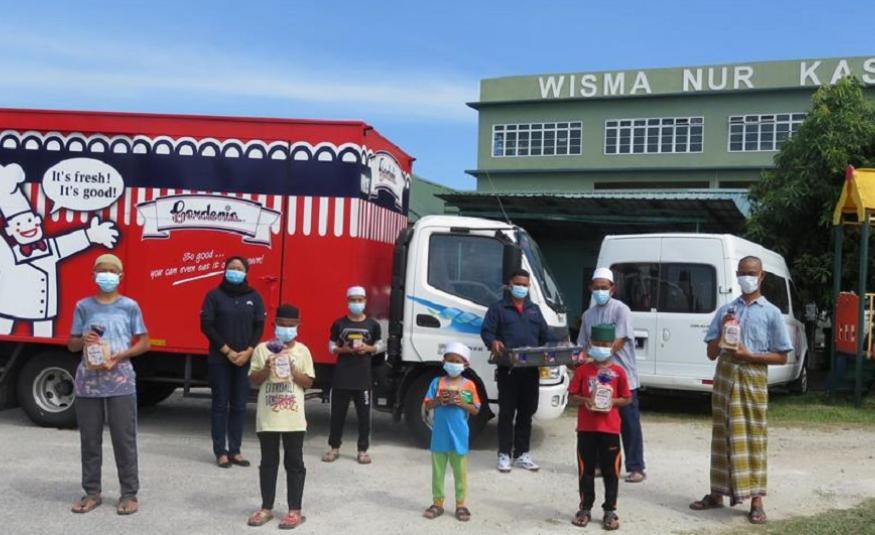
[{"x": 232, "y": 318}]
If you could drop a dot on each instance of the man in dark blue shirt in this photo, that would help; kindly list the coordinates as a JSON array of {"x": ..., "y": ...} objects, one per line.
[{"x": 513, "y": 322}]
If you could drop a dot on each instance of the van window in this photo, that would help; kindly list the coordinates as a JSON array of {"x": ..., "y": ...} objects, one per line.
[
  {"x": 466, "y": 266},
  {"x": 636, "y": 284},
  {"x": 797, "y": 304},
  {"x": 775, "y": 290},
  {"x": 687, "y": 288}
]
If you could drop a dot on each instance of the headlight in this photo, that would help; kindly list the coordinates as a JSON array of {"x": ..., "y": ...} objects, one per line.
[{"x": 552, "y": 373}]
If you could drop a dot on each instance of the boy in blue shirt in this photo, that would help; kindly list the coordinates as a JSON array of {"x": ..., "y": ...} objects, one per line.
[{"x": 453, "y": 398}]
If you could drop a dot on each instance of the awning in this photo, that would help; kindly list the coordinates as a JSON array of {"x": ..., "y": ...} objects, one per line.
[{"x": 717, "y": 210}]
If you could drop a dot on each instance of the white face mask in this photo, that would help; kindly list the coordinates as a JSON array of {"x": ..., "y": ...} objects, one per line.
[{"x": 748, "y": 284}]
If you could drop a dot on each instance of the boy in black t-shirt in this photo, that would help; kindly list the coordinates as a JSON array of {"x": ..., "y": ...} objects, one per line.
[{"x": 355, "y": 339}]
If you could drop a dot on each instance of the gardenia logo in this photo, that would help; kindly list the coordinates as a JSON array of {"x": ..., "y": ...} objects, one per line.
[{"x": 181, "y": 215}]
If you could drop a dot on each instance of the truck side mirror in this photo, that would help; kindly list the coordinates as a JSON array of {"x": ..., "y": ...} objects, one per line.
[{"x": 512, "y": 260}]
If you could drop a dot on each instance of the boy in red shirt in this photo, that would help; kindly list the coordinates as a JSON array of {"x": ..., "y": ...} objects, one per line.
[{"x": 600, "y": 387}]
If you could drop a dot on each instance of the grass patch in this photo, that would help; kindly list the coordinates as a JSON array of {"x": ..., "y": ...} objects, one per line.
[
  {"x": 859, "y": 519},
  {"x": 811, "y": 409}
]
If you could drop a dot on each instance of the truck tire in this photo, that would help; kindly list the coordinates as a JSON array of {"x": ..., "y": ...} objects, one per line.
[
  {"x": 419, "y": 420},
  {"x": 150, "y": 394},
  {"x": 46, "y": 391}
]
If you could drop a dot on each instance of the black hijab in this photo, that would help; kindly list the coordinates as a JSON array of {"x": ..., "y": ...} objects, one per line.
[{"x": 236, "y": 290}]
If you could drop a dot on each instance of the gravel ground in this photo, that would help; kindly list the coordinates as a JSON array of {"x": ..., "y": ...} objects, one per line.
[{"x": 183, "y": 492}]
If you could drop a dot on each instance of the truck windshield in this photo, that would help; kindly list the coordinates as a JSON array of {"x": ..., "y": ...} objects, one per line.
[{"x": 540, "y": 270}]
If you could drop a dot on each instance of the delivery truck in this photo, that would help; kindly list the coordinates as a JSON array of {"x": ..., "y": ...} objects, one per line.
[{"x": 315, "y": 206}]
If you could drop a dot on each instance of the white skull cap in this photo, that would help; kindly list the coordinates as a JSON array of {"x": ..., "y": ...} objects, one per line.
[
  {"x": 603, "y": 273},
  {"x": 458, "y": 348},
  {"x": 356, "y": 291}
]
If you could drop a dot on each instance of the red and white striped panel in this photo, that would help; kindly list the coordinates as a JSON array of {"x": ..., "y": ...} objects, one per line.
[{"x": 338, "y": 216}]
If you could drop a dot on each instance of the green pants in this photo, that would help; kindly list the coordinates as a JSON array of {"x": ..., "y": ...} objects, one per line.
[{"x": 459, "y": 463}]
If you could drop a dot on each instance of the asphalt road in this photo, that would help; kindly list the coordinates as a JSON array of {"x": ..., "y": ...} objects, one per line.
[{"x": 183, "y": 492}]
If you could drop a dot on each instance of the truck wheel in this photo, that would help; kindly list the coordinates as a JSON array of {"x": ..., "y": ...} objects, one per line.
[
  {"x": 419, "y": 420},
  {"x": 800, "y": 385},
  {"x": 46, "y": 391},
  {"x": 150, "y": 394}
]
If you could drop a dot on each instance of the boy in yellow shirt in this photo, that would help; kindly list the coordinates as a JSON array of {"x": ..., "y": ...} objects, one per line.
[{"x": 282, "y": 369}]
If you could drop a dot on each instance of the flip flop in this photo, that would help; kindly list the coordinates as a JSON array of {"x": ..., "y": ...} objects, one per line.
[
  {"x": 259, "y": 518},
  {"x": 330, "y": 456},
  {"x": 757, "y": 515},
  {"x": 363, "y": 458},
  {"x": 86, "y": 504},
  {"x": 127, "y": 506},
  {"x": 292, "y": 520}
]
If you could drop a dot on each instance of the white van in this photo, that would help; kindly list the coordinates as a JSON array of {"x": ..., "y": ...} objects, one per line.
[{"x": 674, "y": 283}]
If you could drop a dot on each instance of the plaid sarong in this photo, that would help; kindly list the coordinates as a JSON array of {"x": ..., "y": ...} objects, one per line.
[{"x": 739, "y": 437}]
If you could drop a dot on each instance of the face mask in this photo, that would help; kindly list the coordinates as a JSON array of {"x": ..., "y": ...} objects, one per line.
[
  {"x": 520, "y": 292},
  {"x": 234, "y": 276},
  {"x": 356, "y": 308},
  {"x": 454, "y": 369},
  {"x": 599, "y": 353},
  {"x": 748, "y": 284},
  {"x": 601, "y": 296},
  {"x": 106, "y": 281},
  {"x": 286, "y": 334}
]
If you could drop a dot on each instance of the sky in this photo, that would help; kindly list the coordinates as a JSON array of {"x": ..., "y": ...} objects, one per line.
[{"x": 408, "y": 68}]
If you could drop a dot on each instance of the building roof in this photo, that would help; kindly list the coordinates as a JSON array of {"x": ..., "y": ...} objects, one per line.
[
  {"x": 857, "y": 198},
  {"x": 722, "y": 210}
]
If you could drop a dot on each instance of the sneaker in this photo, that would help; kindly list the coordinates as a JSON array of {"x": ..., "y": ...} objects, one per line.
[
  {"x": 526, "y": 462},
  {"x": 503, "y": 462}
]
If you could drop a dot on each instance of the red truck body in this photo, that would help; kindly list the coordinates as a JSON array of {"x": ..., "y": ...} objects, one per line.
[{"x": 314, "y": 205}]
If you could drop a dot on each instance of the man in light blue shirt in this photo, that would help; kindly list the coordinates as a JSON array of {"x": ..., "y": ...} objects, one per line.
[{"x": 608, "y": 310}]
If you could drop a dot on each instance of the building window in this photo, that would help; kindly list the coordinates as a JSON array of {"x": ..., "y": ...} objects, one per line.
[
  {"x": 754, "y": 133},
  {"x": 657, "y": 135},
  {"x": 537, "y": 139}
]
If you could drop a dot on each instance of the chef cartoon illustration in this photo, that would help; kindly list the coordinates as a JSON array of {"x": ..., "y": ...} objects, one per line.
[{"x": 29, "y": 259}]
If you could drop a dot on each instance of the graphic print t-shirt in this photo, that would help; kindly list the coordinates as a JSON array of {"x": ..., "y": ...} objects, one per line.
[
  {"x": 121, "y": 320},
  {"x": 353, "y": 371},
  {"x": 281, "y": 402}
]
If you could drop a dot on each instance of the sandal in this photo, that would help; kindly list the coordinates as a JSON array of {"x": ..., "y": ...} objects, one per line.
[
  {"x": 611, "y": 521},
  {"x": 127, "y": 506},
  {"x": 463, "y": 514},
  {"x": 86, "y": 504},
  {"x": 292, "y": 520},
  {"x": 757, "y": 515},
  {"x": 582, "y": 518},
  {"x": 330, "y": 456},
  {"x": 223, "y": 464},
  {"x": 363, "y": 458},
  {"x": 259, "y": 518},
  {"x": 433, "y": 512},
  {"x": 239, "y": 460},
  {"x": 708, "y": 502}
]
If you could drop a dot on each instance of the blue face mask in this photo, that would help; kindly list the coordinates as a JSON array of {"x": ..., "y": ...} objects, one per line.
[
  {"x": 356, "y": 308},
  {"x": 286, "y": 334},
  {"x": 454, "y": 369},
  {"x": 601, "y": 296},
  {"x": 520, "y": 292},
  {"x": 234, "y": 276},
  {"x": 106, "y": 281},
  {"x": 599, "y": 353}
]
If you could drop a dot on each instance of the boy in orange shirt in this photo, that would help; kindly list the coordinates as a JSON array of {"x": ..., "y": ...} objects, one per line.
[{"x": 600, "y": 387}]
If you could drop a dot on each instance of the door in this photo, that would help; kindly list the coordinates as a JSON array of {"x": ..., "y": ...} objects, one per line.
[
  {"x": 689, "y": 281},
  {"x": 635, "y": 263},
  {"x": 457, "y": 277}
]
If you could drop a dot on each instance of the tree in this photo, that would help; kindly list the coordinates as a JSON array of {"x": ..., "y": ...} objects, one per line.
[{"x": 792, "y": 206}]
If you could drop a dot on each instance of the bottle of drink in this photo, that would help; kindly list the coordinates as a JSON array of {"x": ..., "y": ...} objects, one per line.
[
  {"x": 97, "y": 354},
  {"x": 731, "y": 331}
]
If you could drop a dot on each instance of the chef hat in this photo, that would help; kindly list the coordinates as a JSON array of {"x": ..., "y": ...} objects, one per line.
[
  {"x": 458, "y": 348},
  {"x": 603, "y": 273},
  {"x": 356, "y": 291},
  {"x": 13, "y": 201}
]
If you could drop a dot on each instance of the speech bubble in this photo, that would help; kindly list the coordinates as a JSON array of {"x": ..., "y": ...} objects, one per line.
[{"x": 82, "y": 185}]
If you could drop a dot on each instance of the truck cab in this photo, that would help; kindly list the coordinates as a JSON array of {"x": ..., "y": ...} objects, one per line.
[{"x": 447, "y": 271}]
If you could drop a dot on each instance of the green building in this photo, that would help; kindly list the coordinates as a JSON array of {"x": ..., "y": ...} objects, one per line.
[{"x": 573, "y": 157}]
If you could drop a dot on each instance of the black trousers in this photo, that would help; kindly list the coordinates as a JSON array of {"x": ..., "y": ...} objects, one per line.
[
  {"x": 340, "y": 399},
  {"x": 293, "y": 460},
  {"x": 602, "y": 450},
  {"x": 518, "y": 392}
]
